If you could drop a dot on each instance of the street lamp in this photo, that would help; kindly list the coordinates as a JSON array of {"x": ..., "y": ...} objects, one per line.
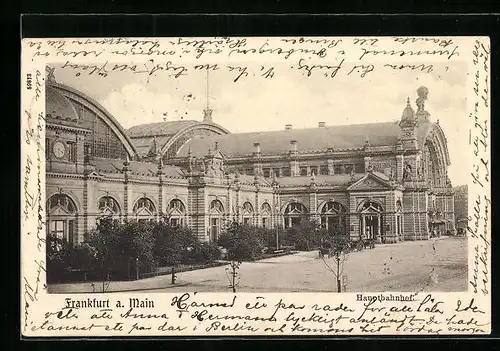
[
  {"x": 137, "y": 267},
  {"x": 277, "y": 229}
]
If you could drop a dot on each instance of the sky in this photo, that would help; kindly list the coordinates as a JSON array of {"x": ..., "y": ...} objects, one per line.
[{"x": 260, "y": 104}]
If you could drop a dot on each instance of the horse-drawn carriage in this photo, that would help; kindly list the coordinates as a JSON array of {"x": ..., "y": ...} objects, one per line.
[{"x": 346, "y": 246}]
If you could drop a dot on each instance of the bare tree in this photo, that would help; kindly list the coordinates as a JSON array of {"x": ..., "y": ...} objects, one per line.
[
  {"x": 337, "y": 251},
  {"x": 232, "y": 273}
]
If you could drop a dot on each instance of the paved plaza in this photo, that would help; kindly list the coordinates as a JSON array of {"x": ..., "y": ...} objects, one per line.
[{"x": 432, "y": 265}]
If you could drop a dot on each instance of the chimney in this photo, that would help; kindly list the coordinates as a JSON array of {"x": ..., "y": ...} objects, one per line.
[
  {"x": 293, "y": 146},
  {"x": 288, "y": 127},
  {"x": 256, "y": 148},
  {"x": 321, "y": 124}
]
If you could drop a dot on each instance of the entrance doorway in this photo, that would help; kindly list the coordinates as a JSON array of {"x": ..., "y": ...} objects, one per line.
[
  {"x": 371, "y": 226},
  {"x": 371, "y": 222}
]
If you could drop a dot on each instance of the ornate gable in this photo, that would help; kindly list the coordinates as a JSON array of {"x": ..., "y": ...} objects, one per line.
[{"x": 369, "y": 182}]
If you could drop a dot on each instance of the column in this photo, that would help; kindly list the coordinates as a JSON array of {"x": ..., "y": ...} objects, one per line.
[
  {"x": 80, "y": 154},
  {"x": 379, "y": 238},
  {"x": 313, "y": 204},
  {"x": 362, "y": 230},
  {"x": 256, "y": 209},
  {"x": 418, "y": 217},
  {"x": 160, "y": 198},
  {"x": 399, "y": 167},
  {"x": 85, "y": 204}
]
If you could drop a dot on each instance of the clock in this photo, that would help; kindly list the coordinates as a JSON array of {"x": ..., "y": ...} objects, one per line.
[{"x": 59, "y": 149}]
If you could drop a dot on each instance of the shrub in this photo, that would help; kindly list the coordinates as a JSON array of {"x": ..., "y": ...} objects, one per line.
[
  {"x": 242, "y": 242},
  {"x": 58, "y": 256},
  {"x": 122, "y": 249},
  {"x": 202, "y": 253},
  {"x": 305, "y": 236},
  {"x": 172, "y": 244}
]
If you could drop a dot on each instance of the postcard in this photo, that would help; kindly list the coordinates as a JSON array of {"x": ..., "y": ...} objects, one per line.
[{"x": 255, "y": 186}]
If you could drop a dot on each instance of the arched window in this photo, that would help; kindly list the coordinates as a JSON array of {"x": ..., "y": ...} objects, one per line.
[
  {"x": 265, "y": 212},
  {"x": 102, "y": 142},
  {"x": 176, "y": 212},
  {"x": 108, "y": 206},
  {"x": 247, "y": 213},
  {"x": 61, "y": 219},
  {"x": 216, "y": 214},
  {"x": 334, "y": 217},
  {"x": 294, "y": 213},
  {"x": 144, "y": 210}
]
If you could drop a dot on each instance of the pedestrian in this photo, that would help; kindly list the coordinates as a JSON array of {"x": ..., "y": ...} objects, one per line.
[{"x": 434, "y": 248}]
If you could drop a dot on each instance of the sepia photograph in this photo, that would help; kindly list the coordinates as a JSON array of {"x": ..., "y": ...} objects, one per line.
[
  {"x": 161, "y": 186},
  {"x": 255, "y": 186}
]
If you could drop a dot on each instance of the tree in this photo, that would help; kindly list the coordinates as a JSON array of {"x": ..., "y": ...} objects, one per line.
[
  {"x": 122, "y": 250},
  {"x": 57, "y": 253},
  {"x": 172, "y": 243},
  {"x": 338, "y": 250},
  {"x": 305, "y": 236},
  {"x": 242, "y": 242},
  {"x": 177, "y": 244}
]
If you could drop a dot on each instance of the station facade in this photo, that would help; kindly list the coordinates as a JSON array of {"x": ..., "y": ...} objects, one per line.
[{"x": 386, "y": 181}]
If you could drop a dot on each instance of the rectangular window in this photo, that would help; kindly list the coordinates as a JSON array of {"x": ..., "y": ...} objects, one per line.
[
  {"x": 323, "y": 222},
  {"x": 286, "y": 223},
  {"x": 286, "y": 172},
  {"x": 324, "y": 170},
  {"x": 71, "y": 231},
  {"x": 249, "y": 171},
  {"x": 214, "y": 230},
  {"x": 360, "y": 168},
  {"x": 72, "y": 151},
  {"x": 47, "y": 148},
  {"x": 57, "y": 229},
  {"x": 337, "y": 169},
  {"x": 349, "y": 169},
  {"x": 246, "y": 221},
  {"x": 295, "y": 221},
  {"x": 266, "y": 172},
  {"x": 264, "y": 222},
  {"x": 277, "y": 172},
  {"x": 303, "y": 171},
  {"x": 174, "y": 222},
  {"x": 314, "y": 170}
]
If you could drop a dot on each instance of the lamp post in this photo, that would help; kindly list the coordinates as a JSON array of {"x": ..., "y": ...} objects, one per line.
[
  {"x": 277, "y": 229},
  {"x": 137, "y": 267}
]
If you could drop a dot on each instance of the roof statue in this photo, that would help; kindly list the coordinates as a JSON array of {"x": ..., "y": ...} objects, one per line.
[
  {"x": 49, "y": 74},
  {"x": 153, "y": 150},
  {"x": 207, "y": 112},
  {"x": 275, "y": 179},
  {"x": 422, "y": 93}
]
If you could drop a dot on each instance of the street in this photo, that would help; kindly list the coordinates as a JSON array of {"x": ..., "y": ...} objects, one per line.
[{"x": 431, "y": 265}]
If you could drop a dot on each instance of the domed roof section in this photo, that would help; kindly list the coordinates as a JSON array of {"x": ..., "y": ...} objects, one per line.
[
  {"x": 58, "y": 106},
  {"x": 408, "y": 117},
  {"x": 71, "y": 107}
]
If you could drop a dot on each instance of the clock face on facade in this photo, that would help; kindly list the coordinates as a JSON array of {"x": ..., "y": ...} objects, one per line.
[{"x": 58, "y": 149}]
